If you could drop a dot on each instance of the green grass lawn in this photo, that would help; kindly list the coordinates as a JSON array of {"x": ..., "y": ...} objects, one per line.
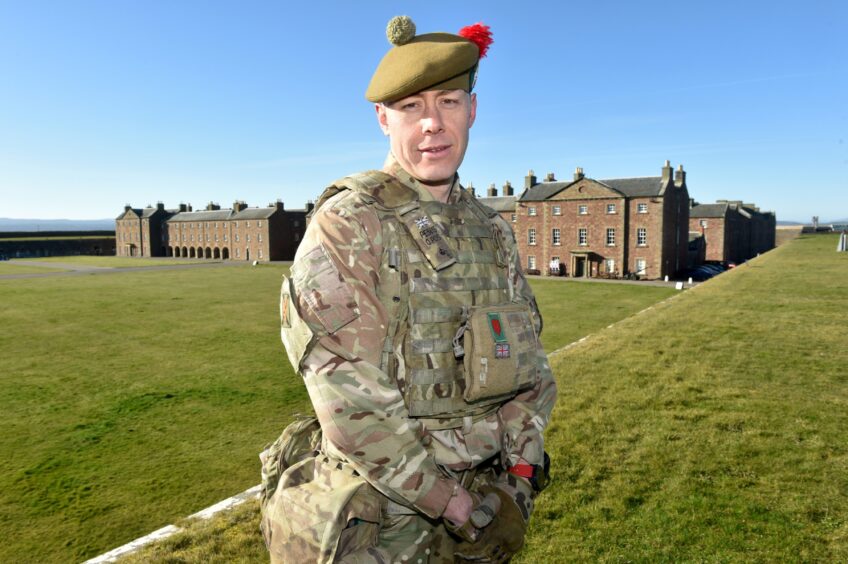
[
  {"x": 18, "y": 268},
  {"x": 135, "y": 399},
  {"x": 116, "y": 262},
  {"x": 709, "y": 429}
]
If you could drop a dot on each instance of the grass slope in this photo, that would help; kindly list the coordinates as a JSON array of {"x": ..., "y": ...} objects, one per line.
[
  {"x": 116, "y": 262},
  {"x": 134, "y": 399},
  {"x": 18, "y": 268},
  {"x": 710, "y": 429}
]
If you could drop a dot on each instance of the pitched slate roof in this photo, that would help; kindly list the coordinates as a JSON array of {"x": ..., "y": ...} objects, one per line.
[
  {"x": 203, "y": 215},
  {"x": 254, "y": 213},
  {"x": 708, "y": 210},
  {"x": 636, "y": 187},
  {"x": 630, "y": 187},
  {"x": 500, "y": 203},
  {"x": 543, "y": 191}
]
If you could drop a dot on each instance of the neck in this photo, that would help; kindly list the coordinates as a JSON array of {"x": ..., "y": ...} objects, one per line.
[{"x": 439, "y": 189}]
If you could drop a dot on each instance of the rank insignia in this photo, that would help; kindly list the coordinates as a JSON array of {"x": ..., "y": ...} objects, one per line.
[{"x": 501, "y": 350}]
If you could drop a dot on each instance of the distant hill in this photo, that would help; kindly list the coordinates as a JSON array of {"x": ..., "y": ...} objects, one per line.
[
  {"x": 842, "y": 221},
  {"x": 798, "y": 223},
  {"x": 8, "y": 224}
]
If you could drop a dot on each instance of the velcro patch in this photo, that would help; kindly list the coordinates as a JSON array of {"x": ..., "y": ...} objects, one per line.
[
  {"x": 501, "y": 350},
  {"x": 320, "y": 284}
]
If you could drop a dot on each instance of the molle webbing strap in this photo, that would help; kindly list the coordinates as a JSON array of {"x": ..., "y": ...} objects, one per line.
[
  {"x": 458, "y": 284},
  {"x": 479, "y": 257}
]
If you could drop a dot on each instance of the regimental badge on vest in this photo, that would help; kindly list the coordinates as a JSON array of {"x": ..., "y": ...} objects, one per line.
[{"x": 501, "y": 342}]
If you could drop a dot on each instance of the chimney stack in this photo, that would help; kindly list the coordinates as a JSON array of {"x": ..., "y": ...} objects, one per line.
[
  {"x": 692, "y": 203},
  {"x": 183, "y": 207},
  {"x": 160, "y": 206},
  {"x": 127, "y": 207},
  {"x": 550, "y": 177},
  {"x": 239, "y": 205},
  {"x": 680, "y": 177},
  {"x": 212, "y": 206},
  {"x": 310, "y": 205},
  {"x": 578, "y": 173},
  {"x": 492, "y": 192},
  {"x": 507, "y": 189},
  {"x": 190, "y": 208},
  {"x": 666, "y": 173},
  {"x": 278, "y": 205},
  {"x": 470, "y": 189},
  {"x": 529, "y": 180}
]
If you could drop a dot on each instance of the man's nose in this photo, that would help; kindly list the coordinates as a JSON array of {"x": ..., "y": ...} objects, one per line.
[{"x": 431, "y": 122}]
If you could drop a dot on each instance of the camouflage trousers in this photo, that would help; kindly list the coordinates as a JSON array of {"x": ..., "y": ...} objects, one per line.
[{"x": 324, "y": 512}]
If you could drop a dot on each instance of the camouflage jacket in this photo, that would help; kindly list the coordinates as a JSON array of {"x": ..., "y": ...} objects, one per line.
[{"x": 361, "y": 410}]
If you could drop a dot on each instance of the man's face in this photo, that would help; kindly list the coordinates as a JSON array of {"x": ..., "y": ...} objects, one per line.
[{"x": 428, "y": 132}]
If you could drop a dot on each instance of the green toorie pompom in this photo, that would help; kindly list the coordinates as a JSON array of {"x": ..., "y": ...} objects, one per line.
[{"x": 401, "y": 30}]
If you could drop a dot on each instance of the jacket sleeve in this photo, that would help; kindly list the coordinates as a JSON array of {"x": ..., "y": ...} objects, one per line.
[
  {"x": 361, "y": 410},
  {"x": 526, "y": 416}
]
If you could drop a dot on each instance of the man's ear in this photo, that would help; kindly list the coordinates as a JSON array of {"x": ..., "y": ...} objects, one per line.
[
  {"x": 381, "y": 118},
  {"x": 473, "y": 115}
]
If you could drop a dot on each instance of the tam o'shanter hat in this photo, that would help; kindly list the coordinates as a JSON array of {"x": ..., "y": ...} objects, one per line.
[{"x": 433, "y": 61}]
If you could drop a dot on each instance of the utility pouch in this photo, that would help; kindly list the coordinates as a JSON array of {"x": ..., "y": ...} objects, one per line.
[{"x": 498, "y": 346}]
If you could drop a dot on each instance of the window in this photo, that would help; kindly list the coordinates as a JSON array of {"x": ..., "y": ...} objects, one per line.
[
  {"x": 514, "y": 217},
  {"x": 610, "y": 208},
  {"x": 216, "y": 237},
  {"x": 260, "y": 253},
  {"x": 237, "y": 253},
  {"x": 192, "y": 237},
  {"x": 531, "y": 210},
  {"x": 237, "y": 225},
  {"x": 225, "y": 236},
  {"x": 610, "y": 264},
  {"x": 555, "y": 236},
  {"x": 296, "y": 223},
  {"x": 248, "y": 237},
  {"x": 237, "y": 238},
  {"x": 642, "y": 236},
  {"x": 260, "y": 237},
  {"x": 641, "y": 266},
  {"x": 247, "y": 224},
  {"x": 557, "y": 210},
  {"x": 531, "y": 262},
  {"x": 582, "y": 237},
  {"x": 642, "y": 208},
  {"x": 703, "y": 223},
  {"x": 259, "y": 224},
  {"x": 610, "y": 237},
  {"x": 216, "y": 225},
  {"x": 531, "y": 236},
  {"x": 583, "y": 209}
]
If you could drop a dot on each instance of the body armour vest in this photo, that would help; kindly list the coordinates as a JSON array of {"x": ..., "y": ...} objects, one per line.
[{"x": 444, "y": 275}]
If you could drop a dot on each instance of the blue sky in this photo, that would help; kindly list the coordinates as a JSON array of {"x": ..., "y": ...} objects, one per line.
[{"x": 109, "y": 102}]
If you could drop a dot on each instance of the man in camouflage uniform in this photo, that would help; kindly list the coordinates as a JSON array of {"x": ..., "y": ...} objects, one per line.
[{"x": 416, "y": 333}]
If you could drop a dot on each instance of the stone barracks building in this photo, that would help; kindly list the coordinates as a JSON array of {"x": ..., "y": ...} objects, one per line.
[
  {"x": 240, "y": 233},
  {"x": 594, "y": 228},
  {"x": 733, "y": 231}
]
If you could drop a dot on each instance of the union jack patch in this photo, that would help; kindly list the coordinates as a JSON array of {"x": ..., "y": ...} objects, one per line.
[{"x": 501, "y": 350}]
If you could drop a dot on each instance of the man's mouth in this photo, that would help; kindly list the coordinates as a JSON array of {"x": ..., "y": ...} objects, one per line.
[{"x": 435, "y": 149}]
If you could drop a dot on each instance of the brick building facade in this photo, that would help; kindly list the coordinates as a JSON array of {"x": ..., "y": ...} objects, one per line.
[
  {"x": 241, "y": 233},
  {"x": 733, "y": 231},
  {"x": 606, "y": 227}
]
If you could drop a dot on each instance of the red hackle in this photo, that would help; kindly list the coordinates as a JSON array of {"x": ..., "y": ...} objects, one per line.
[{"x": 478, "y": 34}]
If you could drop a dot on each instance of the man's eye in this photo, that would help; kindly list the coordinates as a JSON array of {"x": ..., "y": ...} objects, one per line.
[
  {"x": 450, "y": 101},
  {"x": 409, "y": 106}
]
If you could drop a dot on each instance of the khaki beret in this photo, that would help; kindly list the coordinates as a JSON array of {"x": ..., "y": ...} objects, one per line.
[{"x": 433, "y": 61}]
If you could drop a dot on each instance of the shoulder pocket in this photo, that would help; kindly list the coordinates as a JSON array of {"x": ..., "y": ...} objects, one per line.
[{"x": 321, "y": 287}]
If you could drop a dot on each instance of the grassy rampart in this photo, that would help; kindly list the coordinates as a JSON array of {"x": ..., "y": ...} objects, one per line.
[{"x": 711, "y": 428}]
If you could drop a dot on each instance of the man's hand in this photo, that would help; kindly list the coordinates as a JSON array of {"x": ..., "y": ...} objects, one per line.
[
  {"x": 483, "y": 511},
  {"x": 504, "y": 536}
]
